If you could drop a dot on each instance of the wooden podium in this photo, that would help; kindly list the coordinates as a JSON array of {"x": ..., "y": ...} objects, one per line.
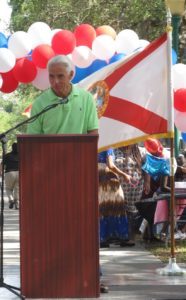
[{"x": 59, "y": 236}]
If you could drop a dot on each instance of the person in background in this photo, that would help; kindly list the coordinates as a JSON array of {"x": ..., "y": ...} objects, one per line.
[
  {"x": 113, "y": 221},
  {"x": 156, "y": 168},
  {"x": 129, "y": 159},
  {"x": 180, "y": 174},
  {"x": 11, "y": 168}
]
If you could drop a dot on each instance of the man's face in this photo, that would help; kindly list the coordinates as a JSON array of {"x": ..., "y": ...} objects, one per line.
[{"x": 59, "y": 78}]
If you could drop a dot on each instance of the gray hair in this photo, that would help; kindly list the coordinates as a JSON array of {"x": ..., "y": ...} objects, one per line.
[{"x": 61, "y": 59}]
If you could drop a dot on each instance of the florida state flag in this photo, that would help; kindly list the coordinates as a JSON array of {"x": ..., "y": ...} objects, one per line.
[{"x": 132, "y": 96}]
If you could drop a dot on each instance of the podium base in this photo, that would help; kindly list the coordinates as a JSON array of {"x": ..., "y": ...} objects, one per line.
[{"x": 172, "y": 269}]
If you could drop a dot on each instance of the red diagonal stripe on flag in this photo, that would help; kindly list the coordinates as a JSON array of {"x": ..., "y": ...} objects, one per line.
[
  {"x": 112, "y": 79},
  {"x": 135, "y": 115}
]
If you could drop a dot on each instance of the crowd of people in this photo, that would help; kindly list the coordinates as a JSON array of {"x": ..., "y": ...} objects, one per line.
[{"x": 124, "y": 203}]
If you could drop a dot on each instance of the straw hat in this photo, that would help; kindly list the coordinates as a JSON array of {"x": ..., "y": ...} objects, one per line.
[{"x": 154, "y": 147}]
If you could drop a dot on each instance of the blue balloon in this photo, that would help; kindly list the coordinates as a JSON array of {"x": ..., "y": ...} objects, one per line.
[
  {"x": 97, "y": 65},
  {"x": 116, "y": 57},
  {"x": 29, "y": 55},
  {"x": 183, "y": 134},
  {"x": 174, "y": 57},
  {"x": 80, "y": 74},
  {"x": 3, "y": 41}
]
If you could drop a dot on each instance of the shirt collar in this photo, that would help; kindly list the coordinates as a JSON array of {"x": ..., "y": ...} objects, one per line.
[{"x": 54, "y": 97}]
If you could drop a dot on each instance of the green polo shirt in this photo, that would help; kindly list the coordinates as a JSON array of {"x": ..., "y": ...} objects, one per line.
[{"x": 78, "y": 116}]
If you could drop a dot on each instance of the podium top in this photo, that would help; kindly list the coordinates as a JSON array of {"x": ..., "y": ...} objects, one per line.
[
  {"x": 49, "y": 138},
  {"x": 43, "y": 136}
]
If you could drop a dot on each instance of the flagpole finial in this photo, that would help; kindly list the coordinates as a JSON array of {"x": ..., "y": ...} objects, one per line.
[{"x": 169, "y": 20}]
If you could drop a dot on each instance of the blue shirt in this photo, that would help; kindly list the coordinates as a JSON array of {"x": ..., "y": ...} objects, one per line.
[{"x": 102, "y": 156}]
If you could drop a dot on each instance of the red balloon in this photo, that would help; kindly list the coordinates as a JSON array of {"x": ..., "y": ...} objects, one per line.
[
  {"x": 41, "y": 55},
  {"x": 10, "y": 84},
  {"x": 180, "y": 100},
  {"x": 63, "y": 42},
  {"x": 85, "y": 35},
  {"x": 24, "y": 70},
  {"x": 106, "y": 29}
]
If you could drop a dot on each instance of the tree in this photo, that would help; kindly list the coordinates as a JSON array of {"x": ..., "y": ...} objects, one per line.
[
  {"x": 12, "y": 107},
  {"x": 147, "y": 18}
]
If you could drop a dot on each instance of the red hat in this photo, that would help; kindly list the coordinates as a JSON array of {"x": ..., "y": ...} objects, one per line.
[{"x": 154, "y": 147}]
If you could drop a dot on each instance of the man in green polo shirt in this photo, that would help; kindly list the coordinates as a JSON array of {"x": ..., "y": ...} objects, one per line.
[{"x": 77, "y": 114}]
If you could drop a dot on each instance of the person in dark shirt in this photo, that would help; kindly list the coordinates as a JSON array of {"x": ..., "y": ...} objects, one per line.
[{"x": 11, "y": 168}]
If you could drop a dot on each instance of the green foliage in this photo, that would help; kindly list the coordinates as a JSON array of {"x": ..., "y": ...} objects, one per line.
[
  {"x": 11, "y": 108},
  {"x": 147, "y": 18}
]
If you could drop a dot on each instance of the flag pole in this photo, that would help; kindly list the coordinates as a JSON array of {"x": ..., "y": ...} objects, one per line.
[{"x": 172, "y": 268}]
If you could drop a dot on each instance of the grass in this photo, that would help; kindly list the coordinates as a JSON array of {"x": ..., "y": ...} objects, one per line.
[{"x": 163, "y": 251}]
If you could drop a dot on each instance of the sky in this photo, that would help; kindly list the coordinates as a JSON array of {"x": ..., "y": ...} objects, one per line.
[{"x": 5, "y": 12}]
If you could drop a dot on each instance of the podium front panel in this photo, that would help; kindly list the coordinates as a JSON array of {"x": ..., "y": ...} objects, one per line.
[{"x": 59, "y": 236}]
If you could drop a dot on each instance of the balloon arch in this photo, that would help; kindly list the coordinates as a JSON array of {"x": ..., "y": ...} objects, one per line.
[{"x": 24, "y": 57}]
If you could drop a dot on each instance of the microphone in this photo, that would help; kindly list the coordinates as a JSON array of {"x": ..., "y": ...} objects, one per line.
[{"x": 63, "y": 100}]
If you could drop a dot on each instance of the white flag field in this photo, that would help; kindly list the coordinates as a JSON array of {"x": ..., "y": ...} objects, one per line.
[{"x": 133, "y": 98}]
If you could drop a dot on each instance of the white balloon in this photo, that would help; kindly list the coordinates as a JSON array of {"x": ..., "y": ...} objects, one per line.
[
  {"x": 143, "y": 43},
  {"x": 127, "y": 41},
  {"x": 41, "y": 80},
  {"x": 103, "y": 47},
  {"x": 128, "y": 33},
  {"x": 54, "y": 31},
  {"x": 82, "y": 56},
  {"x": 72, "y": 65},
  {"x": 7, "y": 60},
  {"x": 180, "y": 120},
  {"x": 40, "y": 33},
  {"x": 1, "y": 81},
  {"x": 179, "y": 76},
  {"x": 20, "y": 44}
]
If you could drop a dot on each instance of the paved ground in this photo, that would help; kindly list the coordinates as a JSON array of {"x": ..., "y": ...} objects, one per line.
[{"x": 131, "y": 273}]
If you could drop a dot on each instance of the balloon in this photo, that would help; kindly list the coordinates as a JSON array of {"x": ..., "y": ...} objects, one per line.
[
  {"x": 116, "y": 57},
  {"x": 54, "y": 31},
  {"x": 63, "y": 42},
  {"x": 29, "y": 56},
  {"x": 127, "y": 41},
  {"x": 85, "y": 35},
  {"x": 80, "y": 74},
  {"x": 3, "y": 40},
  {"x": 174, "y": 57},
  {"x": 10, "y": 84},
  {"x": 41, "y": 80},
  {"x": 180, "y": 120},
  {"x": 179, "y": 76},
  {"x": 82, "y": 56},
  {"x": 1, "y": 81},
  {"x": 103, "y": 47},
  {"x": 40, "y": 33},
  {"x": 106, "y": 29},
  {"x": 143, "y": 43},
  {"x": 183, "y": 134},
  {"x": 41, "y": 55},
  {"x": 25, "y": 70},
  {"x": 180, "y": 100},
  {"x": 20, "y": 44},
  {"x": 7, "y": 60},
  {"x": 97, "y": 65}
]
